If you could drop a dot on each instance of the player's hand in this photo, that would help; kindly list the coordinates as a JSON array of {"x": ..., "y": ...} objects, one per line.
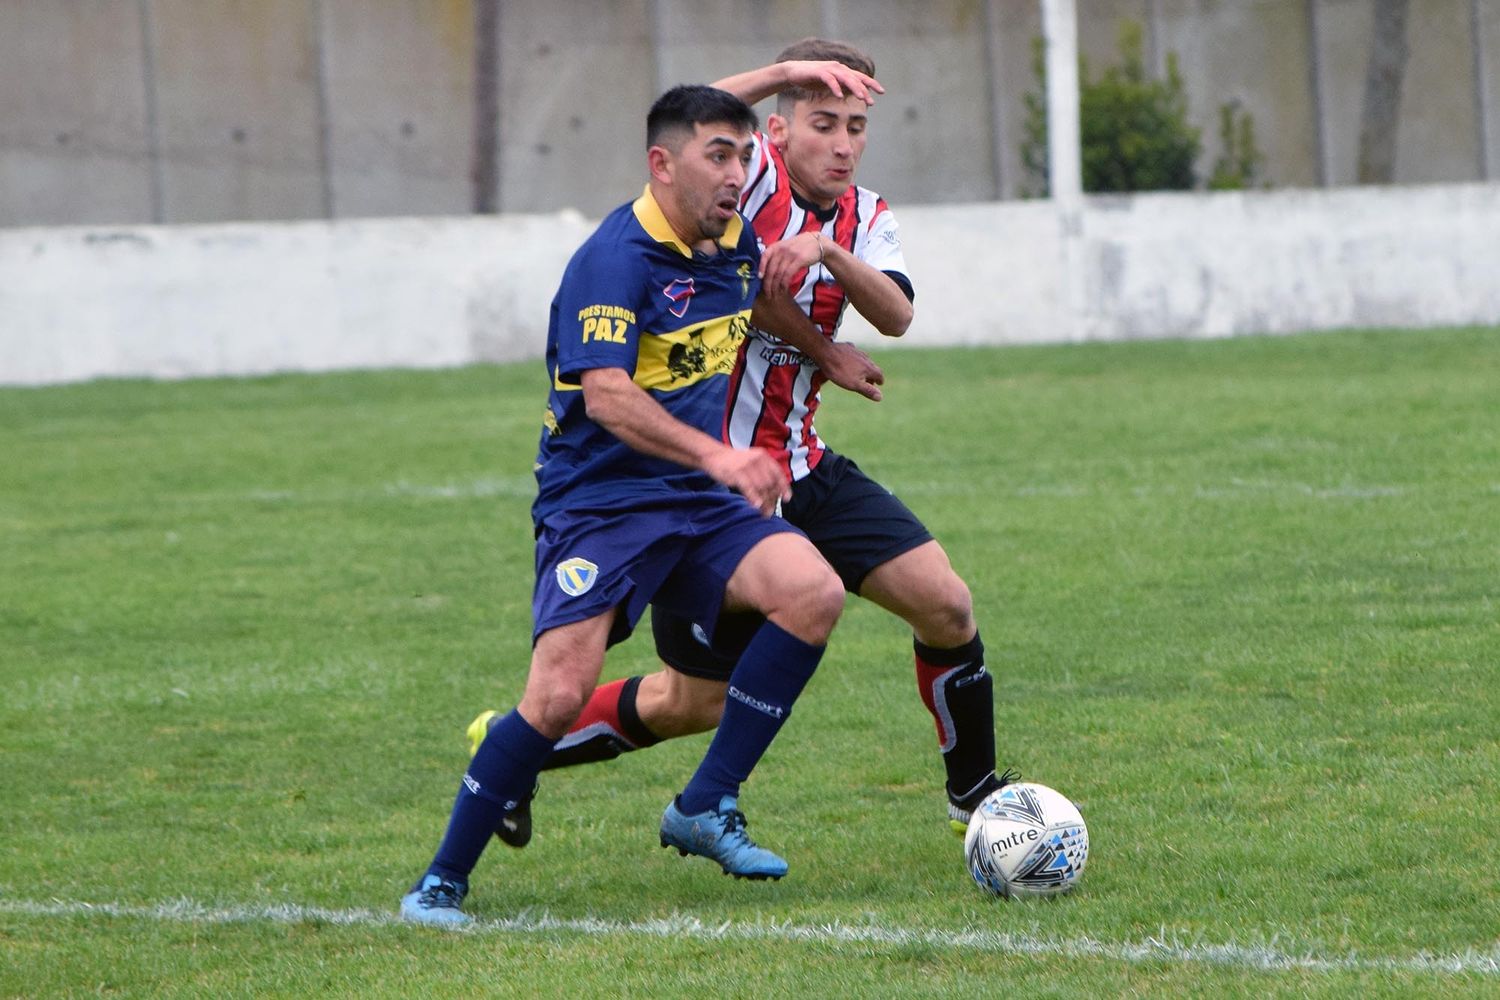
[
  {"x": 847, "y": 367},
  {"x": 783, "y": 261},
  {"x": 752, "y": 473},
  {"x": 835, "y": 76}
]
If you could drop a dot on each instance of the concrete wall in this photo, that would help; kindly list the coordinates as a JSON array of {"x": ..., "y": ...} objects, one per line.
[
  {"x": 81, "y": 303},
  {"x": 130, "y": 111},
  {"x": 73, "y": 123},
  {"x": 248, "y": 298}
]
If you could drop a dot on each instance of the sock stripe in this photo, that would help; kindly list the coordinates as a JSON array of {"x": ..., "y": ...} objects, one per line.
[
  {"x": 593, "y": 730},
  {"x": 935, "y": 694},
  {"x": 957, "y": 656},
  {"x": 634, "y": 727}
]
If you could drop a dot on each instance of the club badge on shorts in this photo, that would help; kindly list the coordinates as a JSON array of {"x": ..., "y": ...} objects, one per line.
[{"x": 576, "y": 576}]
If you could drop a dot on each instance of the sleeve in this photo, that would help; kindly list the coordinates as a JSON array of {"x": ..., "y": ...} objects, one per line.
[
  {"x": 597, "y": 308},
  {"x": 881, "y": 247}
]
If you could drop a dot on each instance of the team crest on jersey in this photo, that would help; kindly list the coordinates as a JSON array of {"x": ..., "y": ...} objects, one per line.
[
  {"x": 680, "y": 291},
  {"x": 744, "y": 273},
  {"x": 576, "y": 576}
]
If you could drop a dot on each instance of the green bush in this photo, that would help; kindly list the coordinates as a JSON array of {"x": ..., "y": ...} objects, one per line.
[
  {"x": 1239, "y": 165},
  {"x": 1134, "y": 129}
]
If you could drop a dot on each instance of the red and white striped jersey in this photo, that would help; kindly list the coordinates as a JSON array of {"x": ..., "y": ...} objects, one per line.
[{"x": 773, "y": 393}]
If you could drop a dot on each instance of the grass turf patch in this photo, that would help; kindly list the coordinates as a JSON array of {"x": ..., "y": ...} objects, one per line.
[{"x": 1238, "y": 598}]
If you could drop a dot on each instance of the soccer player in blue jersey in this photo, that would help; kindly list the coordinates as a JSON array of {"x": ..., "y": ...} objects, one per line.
[
  {"x": 836, "y": 244},
  {"x": 639, "y": 500}
]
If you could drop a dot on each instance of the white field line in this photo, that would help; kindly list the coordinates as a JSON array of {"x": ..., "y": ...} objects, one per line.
[{"x": 1163, "y": 948}]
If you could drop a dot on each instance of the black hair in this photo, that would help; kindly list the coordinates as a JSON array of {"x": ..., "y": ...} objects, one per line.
[{"x": 687, "y": 105}]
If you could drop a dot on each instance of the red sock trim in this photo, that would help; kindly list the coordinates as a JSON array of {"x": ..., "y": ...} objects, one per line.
[
  {"x": 603, "y": 707},
  {"x": 929, "y": 682}
]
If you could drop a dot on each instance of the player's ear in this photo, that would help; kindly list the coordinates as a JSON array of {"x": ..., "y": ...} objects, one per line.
[
  {"x": 777, "y": 128},
  {"x": 659, "y": 160}
]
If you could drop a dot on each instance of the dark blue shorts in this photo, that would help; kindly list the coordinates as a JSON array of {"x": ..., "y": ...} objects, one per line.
[
  {"x": 675, "y": 551},
  {"x": 854, "y": 521}
]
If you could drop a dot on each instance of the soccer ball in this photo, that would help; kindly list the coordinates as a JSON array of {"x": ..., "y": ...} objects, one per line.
[{"x": 1026, "y": 840}]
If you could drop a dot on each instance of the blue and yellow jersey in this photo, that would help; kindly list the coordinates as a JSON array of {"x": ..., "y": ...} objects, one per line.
[{"x": 634, "y": 297}]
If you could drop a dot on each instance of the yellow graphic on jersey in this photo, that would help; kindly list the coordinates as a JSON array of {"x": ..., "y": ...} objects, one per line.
[
  {"x": 679, "y": 359},
  {"x": 744, "y": 273},
  {"x": 605, "y": 323}
]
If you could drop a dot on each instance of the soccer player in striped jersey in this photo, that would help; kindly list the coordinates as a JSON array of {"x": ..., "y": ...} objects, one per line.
[{"x": 832, "y": 244}]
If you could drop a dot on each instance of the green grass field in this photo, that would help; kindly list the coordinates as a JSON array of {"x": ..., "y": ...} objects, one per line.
[{"x": 1240, "y": 599}]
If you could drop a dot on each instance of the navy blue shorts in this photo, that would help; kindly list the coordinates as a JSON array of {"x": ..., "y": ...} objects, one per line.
[
  {"x": 854, "y": 521},
  {"x": 676, "y": 551}
]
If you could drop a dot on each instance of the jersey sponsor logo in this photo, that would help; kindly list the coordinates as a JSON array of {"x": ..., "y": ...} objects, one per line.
[
  {"x": 680, "y": 292},
  {"x": 576, "y": 576},
  {"x": 687, "y": 360},
  {"x": 606, "y": 312},
  {"x": 780, "y": 356},
  {"x": 603, "y": 328},
  {"x": 676, "y": 360},
  {"x": 603, "y": 322}
]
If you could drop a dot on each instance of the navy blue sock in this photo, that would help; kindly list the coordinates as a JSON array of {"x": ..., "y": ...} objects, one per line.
[
  {"x": 500, "y": 776},
  {"x": 771, "y": 673}
]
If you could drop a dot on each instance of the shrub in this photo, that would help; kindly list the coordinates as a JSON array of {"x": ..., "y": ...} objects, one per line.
[
  {"x": 1239, "y": 165},
  {"x": 1134, "y": 130}
]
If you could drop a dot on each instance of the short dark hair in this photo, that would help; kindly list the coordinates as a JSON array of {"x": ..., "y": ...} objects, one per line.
[
  {"x": 688, "y": 105},
  {"x": 819, "y": 50}
]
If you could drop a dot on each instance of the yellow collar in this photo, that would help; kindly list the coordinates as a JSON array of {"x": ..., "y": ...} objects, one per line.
[{"x": 649, "y": 214}]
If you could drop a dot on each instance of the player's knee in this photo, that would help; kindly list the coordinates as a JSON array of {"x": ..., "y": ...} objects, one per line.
[
  {"x": 812, "y": 605},
  {"x": 830, "y": 598},
  {"x": 557, "y": 708},
  {"x": 946, "y": 618}
]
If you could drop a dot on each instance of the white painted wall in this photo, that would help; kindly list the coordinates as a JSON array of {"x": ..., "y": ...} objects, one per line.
[{"x": 179, "y": 301}]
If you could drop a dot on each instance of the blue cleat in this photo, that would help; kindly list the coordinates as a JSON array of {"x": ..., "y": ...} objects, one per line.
[
  {"x": 436, "y": 900},
  {"x": 720, "y": 834}
]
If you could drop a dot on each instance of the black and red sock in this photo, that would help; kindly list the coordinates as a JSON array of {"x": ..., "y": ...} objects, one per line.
[
  {"x": 608, "y": 726},
  {"x": 958, "y": 691}
]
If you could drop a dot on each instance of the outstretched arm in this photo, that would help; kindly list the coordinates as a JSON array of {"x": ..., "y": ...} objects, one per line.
[
  {"x": 617, "y": 404},
  {"x": 758, "y": 84}
]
